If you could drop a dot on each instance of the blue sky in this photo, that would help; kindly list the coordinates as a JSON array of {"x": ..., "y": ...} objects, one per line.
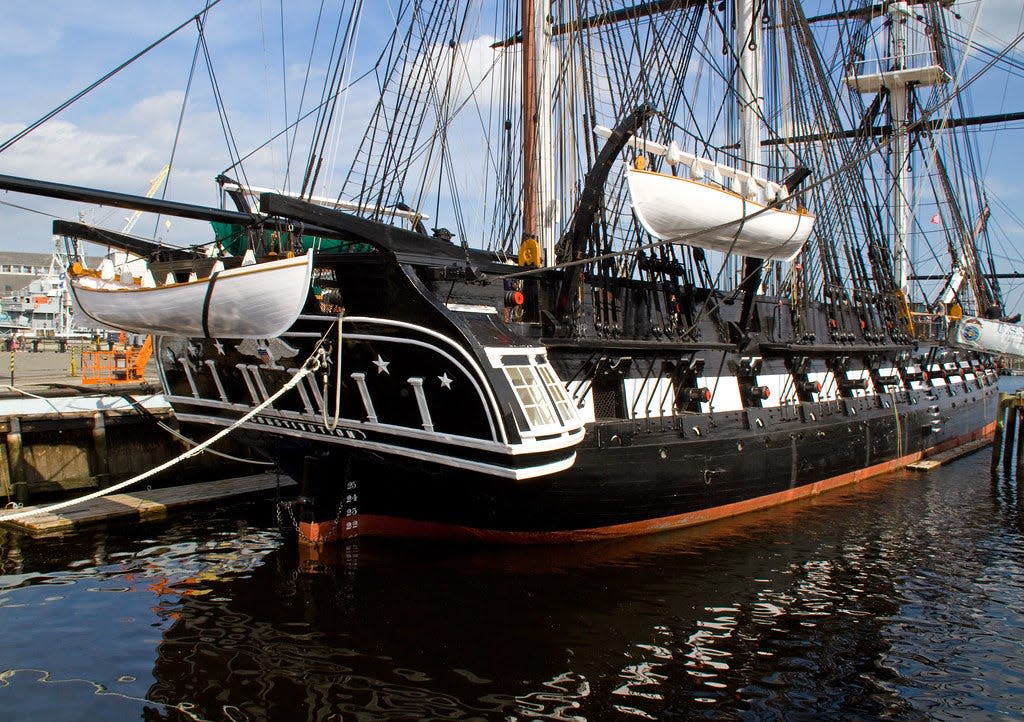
[{"x": 121, "y": 135}]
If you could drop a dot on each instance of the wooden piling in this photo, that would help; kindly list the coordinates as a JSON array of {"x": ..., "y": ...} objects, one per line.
[
  {"x": 17, "y": 461},
  {"x": 1020, "y": 444},
  {"x": 1010, "y": 436},
  {"x": 99, "y": 441},
  {"x": 997, "y": 441},
  {"x": 6, "y": 490}
]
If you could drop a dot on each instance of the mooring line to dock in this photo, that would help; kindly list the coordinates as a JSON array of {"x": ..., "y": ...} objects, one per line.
[
  {"x": 192, "y": 442},
  {"x": 143, "y": 411},
  {"x": 312, "y": 364},
  {"x": 31, "y": 395}
]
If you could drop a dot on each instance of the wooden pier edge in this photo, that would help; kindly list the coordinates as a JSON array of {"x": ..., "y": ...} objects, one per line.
[
  {"x": 145, "y": 505},
  {"x": 945, "y": 457}
]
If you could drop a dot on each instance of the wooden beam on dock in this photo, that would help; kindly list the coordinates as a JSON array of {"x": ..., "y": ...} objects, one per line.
[
  {"x": 146, "y": 505},
  {"x": 944, "y": 457}
]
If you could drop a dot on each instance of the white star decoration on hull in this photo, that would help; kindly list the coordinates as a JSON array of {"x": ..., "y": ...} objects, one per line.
[
  {"x": 446, "y": 383},
  {"x": 382, "y": 365}
]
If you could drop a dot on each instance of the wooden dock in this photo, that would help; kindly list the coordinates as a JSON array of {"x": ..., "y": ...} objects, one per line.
[
  {"x": 944, "y": 457},
  {"x": 145, "y": 505}
]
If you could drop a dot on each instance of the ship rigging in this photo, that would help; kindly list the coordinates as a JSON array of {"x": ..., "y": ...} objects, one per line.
[{"x": 679, "y": 285}]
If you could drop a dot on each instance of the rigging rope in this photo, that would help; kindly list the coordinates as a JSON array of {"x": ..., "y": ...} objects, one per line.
[
  {"x": 80, "y": 94},
  {"x": 218, "y": 98},
  {"x": 332, "y": 424},
  {"x": 312, "y": 364},
  {"x": 177, "y": 134}
]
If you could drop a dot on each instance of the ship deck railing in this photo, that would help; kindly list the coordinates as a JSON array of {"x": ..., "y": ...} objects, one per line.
[{"x": 930, "y": 326}]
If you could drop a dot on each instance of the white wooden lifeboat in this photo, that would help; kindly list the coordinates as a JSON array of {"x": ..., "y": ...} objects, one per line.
[
  {"x": 708, "y": 216},
  {"x": 261, "y": 300},
  {"x": 981, "y": 334}
]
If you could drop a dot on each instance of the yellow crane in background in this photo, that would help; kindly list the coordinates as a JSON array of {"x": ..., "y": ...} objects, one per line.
[
  {"x": 154, "y": 186},
  {"x": 122, "y": 363}
]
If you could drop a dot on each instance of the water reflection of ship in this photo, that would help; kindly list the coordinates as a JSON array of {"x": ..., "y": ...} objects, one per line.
[
  {"x": 794, "y": 606},
  {"x": 683, "y": 622}
]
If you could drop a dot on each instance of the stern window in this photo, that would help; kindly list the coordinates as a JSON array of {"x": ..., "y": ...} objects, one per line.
[
  {"x": 557, "y": 391},
  {"x": 531, "y": 396}
]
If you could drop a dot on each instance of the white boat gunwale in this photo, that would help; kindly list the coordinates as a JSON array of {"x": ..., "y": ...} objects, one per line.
[
  {"x": 217, "y": 306},
  {"x": 263, "y": 267},
  {"x": 801, "y": 212}
]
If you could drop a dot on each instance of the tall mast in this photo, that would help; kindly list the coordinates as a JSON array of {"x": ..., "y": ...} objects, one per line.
[
  {"x": 749, "y": 81},
  {"x": 903, "y": 70},
  {"x": 538, "y": 199},
  {"x": 899, "y": 13},
  {"x": 750, "y": 101}
]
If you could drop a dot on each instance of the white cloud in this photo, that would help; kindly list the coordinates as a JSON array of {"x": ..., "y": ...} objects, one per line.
[
  {"x": 120, "y": 152},
  {"x": 65, "y": 152}
]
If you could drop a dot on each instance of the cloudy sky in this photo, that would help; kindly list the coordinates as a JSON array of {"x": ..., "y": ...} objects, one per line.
[{"x": 122, "y": 134}]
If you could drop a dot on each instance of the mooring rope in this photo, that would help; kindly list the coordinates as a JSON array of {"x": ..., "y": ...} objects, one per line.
[
  {"x": 899, "y": 427},
  {"x": 143, "y": 411},
  {"x": 310, "y": 366},
  {"x": 15, "y": 389}
]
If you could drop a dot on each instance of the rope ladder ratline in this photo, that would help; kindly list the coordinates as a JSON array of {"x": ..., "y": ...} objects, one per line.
[{"x": 312, "y": 364}]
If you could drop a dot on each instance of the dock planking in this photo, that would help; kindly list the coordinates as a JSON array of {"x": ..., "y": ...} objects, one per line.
[
  {"x": 145, "y": 505},
  {"x": 944, "y": 457}
]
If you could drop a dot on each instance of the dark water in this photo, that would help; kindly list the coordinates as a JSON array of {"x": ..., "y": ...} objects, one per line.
[{"x": 899, "y": 598}]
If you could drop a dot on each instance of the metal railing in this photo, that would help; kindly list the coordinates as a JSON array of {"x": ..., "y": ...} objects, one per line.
[{"x": 119, "y": 365}]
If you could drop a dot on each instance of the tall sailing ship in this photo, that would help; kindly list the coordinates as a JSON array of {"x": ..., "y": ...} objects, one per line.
[{"x": 689, "y": 296}]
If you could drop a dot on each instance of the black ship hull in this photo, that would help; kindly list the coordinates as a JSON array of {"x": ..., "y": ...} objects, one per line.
[
  {"x": 648, "y": 479},
  {"x": 438, "y": 430}
]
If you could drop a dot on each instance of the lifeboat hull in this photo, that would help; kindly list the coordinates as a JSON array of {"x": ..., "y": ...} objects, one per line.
[
  {"x": 256, "y": 301},
  {"x": 695, "y": 214},
  {"x": 980, "y": 334}
]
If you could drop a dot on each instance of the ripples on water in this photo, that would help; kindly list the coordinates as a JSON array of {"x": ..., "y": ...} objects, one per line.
[{"x": 900, "y": 598}]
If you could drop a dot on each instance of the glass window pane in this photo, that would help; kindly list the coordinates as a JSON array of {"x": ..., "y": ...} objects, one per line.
[{"x": 531, "y": 396}]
